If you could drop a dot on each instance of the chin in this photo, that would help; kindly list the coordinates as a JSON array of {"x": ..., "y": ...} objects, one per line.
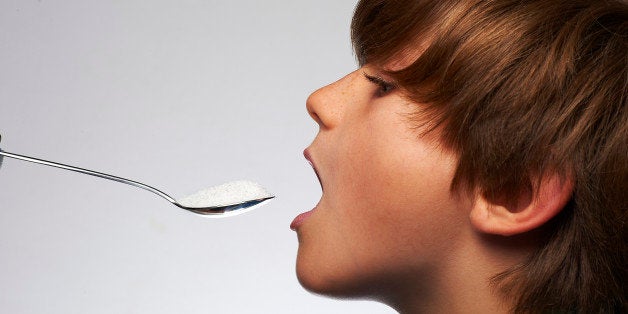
[
  {"x": 331, "y": 280},
  {"x": 315, "y": 278}
]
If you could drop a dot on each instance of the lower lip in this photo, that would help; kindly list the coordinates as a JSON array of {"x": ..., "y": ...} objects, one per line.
[{"x": 298, "y": 220}]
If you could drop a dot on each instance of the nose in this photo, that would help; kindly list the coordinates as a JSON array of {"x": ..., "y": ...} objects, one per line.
[
  {"x": 320, "y": 107},
  {"x": 326, "y": 105}
]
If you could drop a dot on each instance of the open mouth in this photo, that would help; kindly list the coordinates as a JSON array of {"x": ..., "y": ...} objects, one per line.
[
  {"x": 300, "y": 219},
  {"x": 308, "y": 157}
]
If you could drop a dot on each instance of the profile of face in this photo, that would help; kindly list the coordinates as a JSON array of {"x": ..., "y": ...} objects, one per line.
[{"x": 387, "y": 219}]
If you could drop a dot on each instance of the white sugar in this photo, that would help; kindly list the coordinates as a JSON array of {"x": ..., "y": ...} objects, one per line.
[{"x": 225, "y": 194}]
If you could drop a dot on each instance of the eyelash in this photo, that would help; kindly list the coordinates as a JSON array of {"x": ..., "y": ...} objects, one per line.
[{"x": 384, "y": 86}]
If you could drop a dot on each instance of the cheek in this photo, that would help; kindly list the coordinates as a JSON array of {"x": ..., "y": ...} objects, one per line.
[
  {"x": 385, "y": 164},
  {"x": 397, "y": 190}
]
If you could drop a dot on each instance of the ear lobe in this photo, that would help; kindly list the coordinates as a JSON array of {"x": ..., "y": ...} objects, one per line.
[{"x": 531, "y": 210}]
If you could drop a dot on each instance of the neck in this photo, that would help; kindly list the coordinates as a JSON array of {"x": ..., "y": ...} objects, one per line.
[{"x": 463, "y": 283}]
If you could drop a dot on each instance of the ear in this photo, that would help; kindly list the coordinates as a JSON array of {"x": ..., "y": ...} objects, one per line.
[{"x": 530, "y": 210}]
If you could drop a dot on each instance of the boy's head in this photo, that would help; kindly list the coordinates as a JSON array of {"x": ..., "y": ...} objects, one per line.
[{"x": 531, "y": 96}]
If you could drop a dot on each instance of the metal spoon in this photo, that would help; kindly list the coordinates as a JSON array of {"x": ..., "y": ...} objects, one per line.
[{"x": 227, "y": 210}]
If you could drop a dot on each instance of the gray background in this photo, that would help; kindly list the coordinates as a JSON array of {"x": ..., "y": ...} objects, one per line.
[{"x": 181, "y": 95}]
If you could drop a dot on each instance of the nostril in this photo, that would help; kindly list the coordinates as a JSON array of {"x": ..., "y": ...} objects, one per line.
[{"x": 316, "y": 118}]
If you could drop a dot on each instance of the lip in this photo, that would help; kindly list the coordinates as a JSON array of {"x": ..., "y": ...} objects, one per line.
[{"x": 300, "y": 219}]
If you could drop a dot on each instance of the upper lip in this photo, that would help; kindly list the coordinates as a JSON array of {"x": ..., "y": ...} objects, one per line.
[{"x": 308, "y": 157}]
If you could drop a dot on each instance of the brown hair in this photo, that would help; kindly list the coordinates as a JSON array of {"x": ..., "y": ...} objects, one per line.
[{"x": 524, "y": 89}]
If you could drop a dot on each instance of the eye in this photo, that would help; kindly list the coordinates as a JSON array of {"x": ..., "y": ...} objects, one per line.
[{"x": 384, "y": 87}]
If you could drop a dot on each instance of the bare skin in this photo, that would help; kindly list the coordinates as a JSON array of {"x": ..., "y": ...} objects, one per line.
[{"x": 388, "y": 227}]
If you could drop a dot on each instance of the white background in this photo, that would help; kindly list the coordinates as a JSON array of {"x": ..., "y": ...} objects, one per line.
[{"x": 181, "y": 95}]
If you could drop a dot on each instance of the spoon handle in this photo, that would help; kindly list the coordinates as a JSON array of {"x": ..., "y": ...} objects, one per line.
[{"x": 91, "y": 173}]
